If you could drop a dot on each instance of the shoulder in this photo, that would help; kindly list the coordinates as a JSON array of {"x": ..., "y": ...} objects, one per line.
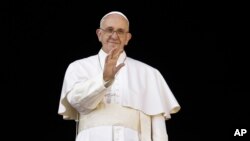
[
  {"x": 83, "y": 62},
  {"x": 139, "y": 65}
]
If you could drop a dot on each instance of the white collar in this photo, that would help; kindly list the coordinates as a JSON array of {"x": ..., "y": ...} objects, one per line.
[{"x": 102, "y": 56}]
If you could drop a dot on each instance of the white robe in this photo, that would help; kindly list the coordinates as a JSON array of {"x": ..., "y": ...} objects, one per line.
[{"x": 136, "y": 85}]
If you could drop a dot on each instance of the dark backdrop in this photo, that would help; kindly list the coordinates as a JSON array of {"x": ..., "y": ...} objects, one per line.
[{"x": 179, "y": 38}]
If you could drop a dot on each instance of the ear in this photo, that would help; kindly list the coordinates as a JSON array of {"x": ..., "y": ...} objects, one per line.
[
  {"x": 98, "y": 33},
  {"x": 129, "y": 36}
]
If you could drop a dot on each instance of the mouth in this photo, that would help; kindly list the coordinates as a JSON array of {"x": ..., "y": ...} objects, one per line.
[{"x": 113, "y": 42}]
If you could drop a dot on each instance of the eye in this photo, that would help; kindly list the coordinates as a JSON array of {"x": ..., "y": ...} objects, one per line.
[
  {"x": 109, "y": 30},
  {"x": 120, "y": 31}
]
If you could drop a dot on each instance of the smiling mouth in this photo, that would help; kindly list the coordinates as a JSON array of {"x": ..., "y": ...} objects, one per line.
[{"x": 113, "y": 42}]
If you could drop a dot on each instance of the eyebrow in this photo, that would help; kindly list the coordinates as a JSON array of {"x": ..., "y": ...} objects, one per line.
[{"x": 109, "y": 27}]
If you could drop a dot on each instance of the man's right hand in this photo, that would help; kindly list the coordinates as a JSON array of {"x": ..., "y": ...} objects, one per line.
[{"x": 110, "y": 68}]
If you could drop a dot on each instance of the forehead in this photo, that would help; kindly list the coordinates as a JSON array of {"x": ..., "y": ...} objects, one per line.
[{"x": 116, "y": 21}]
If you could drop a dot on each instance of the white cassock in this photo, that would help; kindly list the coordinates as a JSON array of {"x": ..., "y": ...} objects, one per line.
[{"x": 139, "y": 93}]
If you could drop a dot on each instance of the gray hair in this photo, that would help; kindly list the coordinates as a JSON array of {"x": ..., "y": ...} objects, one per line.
[{"x": 113, "y": 12}]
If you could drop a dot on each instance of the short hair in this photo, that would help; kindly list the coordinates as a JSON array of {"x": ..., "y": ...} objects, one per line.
[{"x": 113, "y": 12}]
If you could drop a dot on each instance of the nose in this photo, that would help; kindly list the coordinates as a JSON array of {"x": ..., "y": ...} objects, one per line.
[{"x": 114, "y": 35}]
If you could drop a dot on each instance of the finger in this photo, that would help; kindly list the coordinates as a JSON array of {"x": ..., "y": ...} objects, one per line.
[
  {"x": 110, "y": 54},
  {"x": 114, "y": 52},
  {"x": 117, "y": 53},
  {"x": 106, "y": 59},
  {"x": 119, "y": 67}
]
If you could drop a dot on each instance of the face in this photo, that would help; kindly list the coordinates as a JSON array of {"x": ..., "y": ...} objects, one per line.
[{"x": 111, "y": 39}]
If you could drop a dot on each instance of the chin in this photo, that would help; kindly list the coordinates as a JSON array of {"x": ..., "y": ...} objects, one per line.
[{"x": 113, "y": 46}]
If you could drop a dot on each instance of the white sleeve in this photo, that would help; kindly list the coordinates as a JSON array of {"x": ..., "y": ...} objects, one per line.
[
  {"x": 85, "y": 96},
  {"x": 159, "y": 130}
]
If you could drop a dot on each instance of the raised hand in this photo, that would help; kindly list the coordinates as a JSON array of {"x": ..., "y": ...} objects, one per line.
[{"x": 110, "y": 68}]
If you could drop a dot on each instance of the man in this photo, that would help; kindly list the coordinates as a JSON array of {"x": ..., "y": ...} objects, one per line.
[{"x": 114, "y": 97}]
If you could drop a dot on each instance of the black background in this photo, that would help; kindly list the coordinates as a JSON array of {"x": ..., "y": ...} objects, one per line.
[{"x": 179, "y": 38}]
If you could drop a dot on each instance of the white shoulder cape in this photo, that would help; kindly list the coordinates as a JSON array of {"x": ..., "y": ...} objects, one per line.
[{"x": 144, "y": 87}]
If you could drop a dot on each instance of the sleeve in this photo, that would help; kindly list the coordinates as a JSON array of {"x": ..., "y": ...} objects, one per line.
[
  {"x": 159, "y": 132},
  {"x": 79, "y": 90},
  {"x": 85, "y": 96}
]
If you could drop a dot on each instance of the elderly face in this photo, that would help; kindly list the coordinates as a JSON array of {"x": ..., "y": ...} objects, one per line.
[{"x": 113, "y": 32}]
